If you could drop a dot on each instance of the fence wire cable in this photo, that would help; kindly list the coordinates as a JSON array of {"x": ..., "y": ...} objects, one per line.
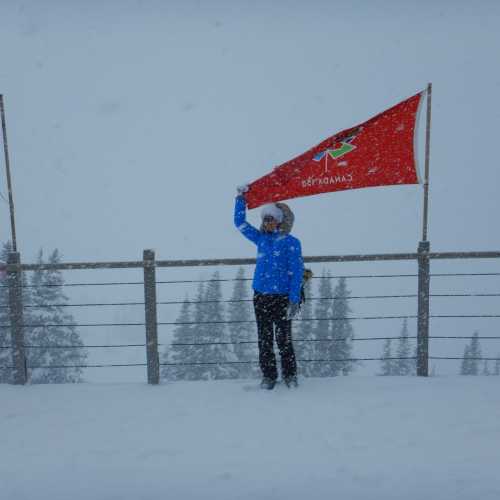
[
  {"x": 237, "y": 342},
  {"x": 314, "y": 278},
  {"x": 214, "y": 363},
  {"x": 468, "y": 359},
  {"x": 75, "y": 325},
  {"x": 180, "y": 302},
  {"x": 81, "y": 346},
  {"x": 162, "y": 282},
  {"x": 111, "y": 283},
  {"x": 173, "y": 323},
  {"x": 35, "y": 367},
  {"x": 332, "y": 360},
  {"x": 323, "y": 339},
  {"x": 299, "y": 360},
  {"x": 461, "y": 337}
]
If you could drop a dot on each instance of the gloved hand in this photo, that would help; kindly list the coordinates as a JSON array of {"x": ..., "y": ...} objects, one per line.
[
  {"x": 292, "y": 310},
  {"x": 242, "y": 189}
]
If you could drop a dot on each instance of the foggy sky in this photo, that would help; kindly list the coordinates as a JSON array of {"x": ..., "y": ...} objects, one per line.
[{"x": 131, "y": 123}]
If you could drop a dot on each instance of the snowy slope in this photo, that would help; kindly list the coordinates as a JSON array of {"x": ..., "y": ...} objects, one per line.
[{"x": 343, "y": 438}]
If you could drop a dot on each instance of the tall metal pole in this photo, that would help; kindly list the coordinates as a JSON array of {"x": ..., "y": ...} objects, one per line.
[
  {"x": 427, "y": 154},
  {"x": 423, "y": 262},
  {"x": 9, "y": 183}
]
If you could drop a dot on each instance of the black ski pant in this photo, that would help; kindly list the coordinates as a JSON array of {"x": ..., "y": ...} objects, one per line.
[{"x": 270, "y": 313}]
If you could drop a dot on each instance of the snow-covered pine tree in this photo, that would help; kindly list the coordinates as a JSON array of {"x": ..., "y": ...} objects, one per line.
[
  {"x": 220, "y": 355},
  {"x": 470, "y": 362},
  {"x": 177, "y": 354},
  {"x": 465, "y": 365},
  {"x": 386, "y": 363},
  {"x": 486, "y": 369},
  {"x": 209, "y": 359},
  {"x": 48, "y": 301},
  {"x": 193, "y": 355},
  {"x": 306, "y": 349},
  {"x": 321, "y": 329},
  {"x": 242, "y": 328},
  {"x": 404, "y": 366},
  {"x": 497, "y": 365},
  {"x": 475, "y": 353},
  {"x": 342, "y": 331}
]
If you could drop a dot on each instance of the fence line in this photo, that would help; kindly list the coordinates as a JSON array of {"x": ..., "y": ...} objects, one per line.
[
  {"x": 148, "y": 265},
  {"x": 244, "y": 261}
]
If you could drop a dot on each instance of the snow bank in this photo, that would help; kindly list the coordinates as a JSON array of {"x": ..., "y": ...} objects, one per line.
[{"x": 343, "y": 438}]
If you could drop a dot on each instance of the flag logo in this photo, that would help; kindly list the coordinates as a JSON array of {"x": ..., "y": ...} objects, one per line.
[{"x": 339, "y": 149}]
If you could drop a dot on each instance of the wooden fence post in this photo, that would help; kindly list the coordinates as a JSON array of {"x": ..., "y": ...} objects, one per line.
[
  {"x": 152, "y": 356},
  {"x": 16, "y": 319},
  {"x": 423, "y": 309}
]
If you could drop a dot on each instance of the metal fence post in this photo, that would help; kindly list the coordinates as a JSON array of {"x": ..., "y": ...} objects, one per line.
[
  {"x": 151, "y": 317},
  {"x": 16, "y": 319},
  {"x": 423, "y": 309}
]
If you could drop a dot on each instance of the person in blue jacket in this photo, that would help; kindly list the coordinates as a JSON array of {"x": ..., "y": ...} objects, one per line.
[{"x": 277, "y": 285}]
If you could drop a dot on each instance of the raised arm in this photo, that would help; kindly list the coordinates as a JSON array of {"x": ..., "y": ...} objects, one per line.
[{"x": 240, "y": 220}]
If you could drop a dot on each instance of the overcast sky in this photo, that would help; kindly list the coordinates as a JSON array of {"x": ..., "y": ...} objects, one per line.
[{"x": 131, "y": 123}]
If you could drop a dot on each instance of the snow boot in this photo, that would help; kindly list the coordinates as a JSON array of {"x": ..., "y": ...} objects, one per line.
[
  {"x": 291, "y": 381},
  {"x": 267, "y": 383}
]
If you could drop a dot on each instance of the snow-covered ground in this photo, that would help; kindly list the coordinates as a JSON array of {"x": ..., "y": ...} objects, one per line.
[{"x": 343, "y": 438}]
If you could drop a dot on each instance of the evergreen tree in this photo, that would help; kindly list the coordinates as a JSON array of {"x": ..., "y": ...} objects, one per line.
[
  {"x": 209, "y": 358},
  {"x": 470, "y": 362},
  {"x": 497, "y": 366},
  {"x": 475, "y": 351},
  {"x": 404, "y": 366},
  {"x": 192, "y": 355},
  {"x": 217, "y": 354},
  {"x": 305, "y": 349},
  {"x": 242, "y": 329},
  {"x": 486, "y": 369},
  {"x": 321, "y": 329},
  {"x": 178, "y": 353},
  {"x": 465, "y": 365},
  {"x": 48, "y": 301},
  {"x": 386, "y": 363},
  {"x": 342, "y": 331}
]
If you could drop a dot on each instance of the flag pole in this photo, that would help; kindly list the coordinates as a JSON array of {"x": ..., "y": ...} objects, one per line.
[
  {"x": 427, "y": 154},
  {"x": 423, "y": 263},
  {"x": 9, "y": 183}
]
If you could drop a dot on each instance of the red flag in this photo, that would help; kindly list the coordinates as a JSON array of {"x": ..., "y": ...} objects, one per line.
[{"x": 379, "y": 152}]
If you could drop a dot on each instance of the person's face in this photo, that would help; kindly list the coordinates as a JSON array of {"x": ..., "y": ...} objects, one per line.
[{"x": 269, "y": 224}]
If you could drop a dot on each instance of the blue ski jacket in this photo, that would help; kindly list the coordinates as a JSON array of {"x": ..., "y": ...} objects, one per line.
[{"x": 279, "y": 267}]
